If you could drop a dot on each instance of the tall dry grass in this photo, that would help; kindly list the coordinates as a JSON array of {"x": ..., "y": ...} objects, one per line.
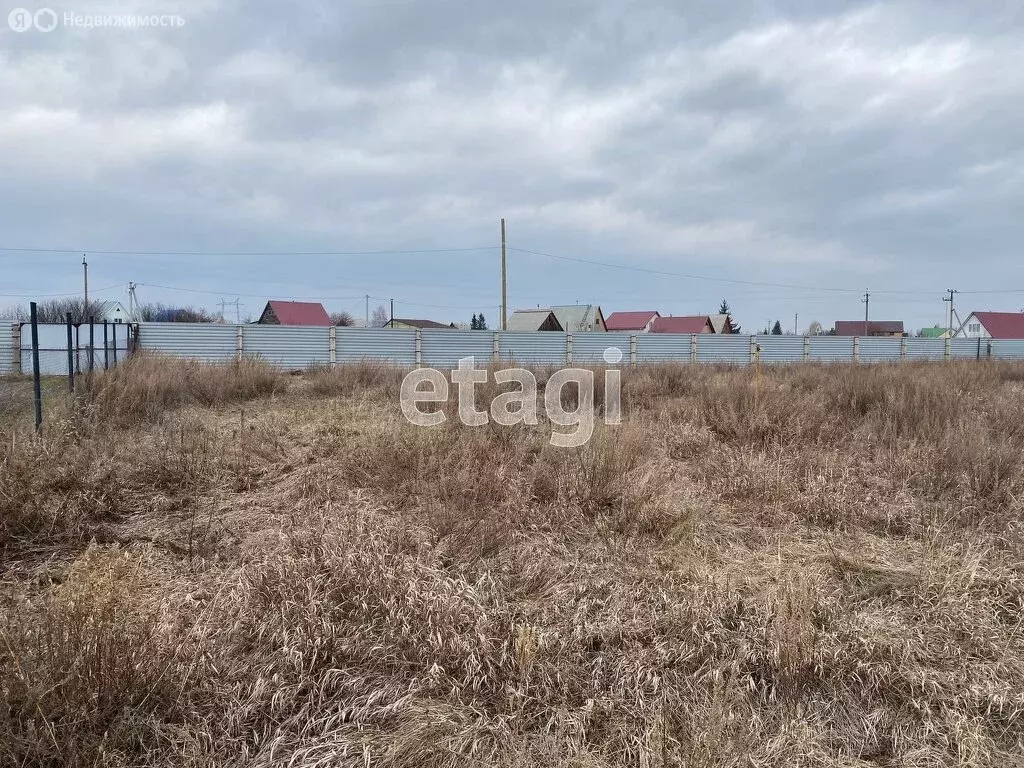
[
  {"x": 798, "y": 566},
  {"x": 145, "y": 386}
]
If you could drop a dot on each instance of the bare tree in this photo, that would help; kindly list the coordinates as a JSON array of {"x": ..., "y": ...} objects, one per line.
[
  {"x": 379, "y": 318},
  {"x": 161, "y": 313},
  {"x": 343, "y": 319},
  {"x": 56, "y": 311}
]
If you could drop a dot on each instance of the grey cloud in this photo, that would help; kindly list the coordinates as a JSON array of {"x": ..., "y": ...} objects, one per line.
[{"x": 815, "y": 143}]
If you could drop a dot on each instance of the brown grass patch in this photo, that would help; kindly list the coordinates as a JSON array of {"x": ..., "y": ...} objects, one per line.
[{"x": 814, "y": 565}]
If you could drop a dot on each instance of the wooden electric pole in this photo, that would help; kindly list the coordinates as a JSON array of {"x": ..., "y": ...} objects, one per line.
[
  {"x": 867, "y": 303},
  {"x": 85, "y": 270},
  {"x": 504, "y": 281}
]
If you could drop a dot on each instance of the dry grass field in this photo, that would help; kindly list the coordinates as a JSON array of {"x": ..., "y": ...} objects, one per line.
[{"x": 814, "y": 566}]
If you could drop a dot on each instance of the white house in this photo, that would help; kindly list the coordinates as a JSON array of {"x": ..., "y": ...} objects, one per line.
[
  {"x": 113, "y": 312},
  {"x": 992, "y": 325}
]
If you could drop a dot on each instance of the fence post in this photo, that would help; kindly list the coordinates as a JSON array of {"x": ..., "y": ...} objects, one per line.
[
  {"x": 419, "y": 348},
  {"x": 334, "y": 345},
  {"x": 753, "y": 349},
  {"x": 947, "y": 352},
  {"x": 239, "y": 344},
  {"x": 113, "y": 341},
  {"x": 806, "y": 355},
  {"x": 496, "y": 348},
  {"x": 693, "y": 347},
  {"x": 568, "y": 349},
  {"x": 37, "y": 392},
  {"x": 856, "y": 349},
  {"x": 71, "y": 356},
  {"x": 632, "y": 351},
  {"x": 106, "y": 347},
  {"x": 16, "y": 346},
  {"x": 903, "y": 348},
  {"x": 92, "y": 344}
]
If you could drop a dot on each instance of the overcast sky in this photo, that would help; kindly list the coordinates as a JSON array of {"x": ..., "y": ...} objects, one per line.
[{"x": 776, "y": 149}]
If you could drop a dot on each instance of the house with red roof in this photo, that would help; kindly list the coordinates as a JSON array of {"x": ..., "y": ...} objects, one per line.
[
  {"x": 992, "y": 325},
  {"x": 688, "y": 324},
  {"x": 869, "y": 328},
  {"x": 295, "y": 313},
  {"x": 637, "y": 322}
]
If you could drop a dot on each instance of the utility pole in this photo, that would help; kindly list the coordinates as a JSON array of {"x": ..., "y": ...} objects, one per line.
[
  {"x": 796, "y": 324},
  {"x": 867, "y": 303},
  {"x": 951, "y": 293},
  {"x": 392, "y": 313},
  {"x": 133, "y": 302},
  {"x": 85, "y": 269},
  {"x": 504, "y": 281},
  {"x": 366, "y": 322}
]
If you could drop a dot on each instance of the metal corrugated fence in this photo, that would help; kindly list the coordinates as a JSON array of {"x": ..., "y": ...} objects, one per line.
[
  {"x": 780, "y": 349},
  {"x": 385, "y": 345},
  {"x": 926, "y": 349},
  {"x": 712, "y": 348},
  {"x": 830, "y": 349},
  {"x": 288, "y": 347},
  {"x": 299, "y": 347},
  {"x": 444, "y": 348},
  {"x": 202, "y": 341},
  {"x": 1008, "y": 349},
  {"x": 533, "y": 347},
  {"x": 879, "y": 350},
  {"x": 969, "y": 349},
  {"x": 7, "y": 348},
  {"x": 662, "y": 348},
  {"x": 590, "y": 349}
]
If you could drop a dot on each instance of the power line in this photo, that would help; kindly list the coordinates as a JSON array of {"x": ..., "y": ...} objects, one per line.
[
  {"x": 736, "y": 281},
  {"x": 311, "y": 298},
  {"x": 57, "y": 295},
  {"x": 246, "y": 295},
  {"x": 246, "y": 253}
]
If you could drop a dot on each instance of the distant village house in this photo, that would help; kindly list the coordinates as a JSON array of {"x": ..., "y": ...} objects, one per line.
[
  {"x": 683, "y": 324},
  {"x": 295, "y": 313},
  {"x": 534, "y": 320},
  {"x": 992, "y": 325},
  {"x": 408, "y": 324},
  {"x": 636, "y": 322},
  {"x": 113, "y": 312},
  {"x": 869, "y": 328},
  {"x": 580, "y": 318}
]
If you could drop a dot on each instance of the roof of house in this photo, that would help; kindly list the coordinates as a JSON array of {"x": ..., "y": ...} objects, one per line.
[
  {"x": 629, "y": 321},
  {"x": 874, "y": 327},
  {"x": 935, "y": 332},
  {"x": 107, "y": 308},
  {"x": 690, "y": 324},
  {"x": 577, "y": 317},
  {"x": 300, "y": 313},
  {"x": 1002, "y": 325},
  {"x": 718, "y": 322},
  {"x": 531, "y": 319},
  {"x": 417, "y": 323}
]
